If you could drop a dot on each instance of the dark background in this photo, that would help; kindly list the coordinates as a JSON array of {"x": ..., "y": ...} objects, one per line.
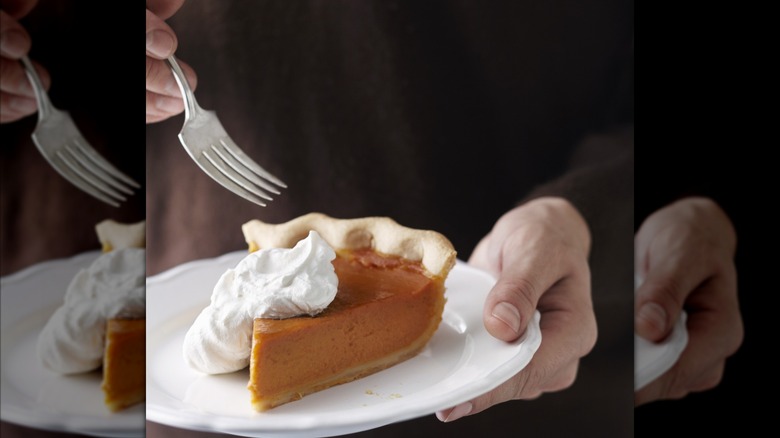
[
  {"x": 43, "y": 215},
  {"x": 730, "y": 176},
  {"x": 700, "y": 134}
]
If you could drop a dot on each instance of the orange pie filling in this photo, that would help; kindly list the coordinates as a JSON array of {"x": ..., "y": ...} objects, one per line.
[
  {"x": 124, "y": 363},
  {"x": 386, "y": 310}
]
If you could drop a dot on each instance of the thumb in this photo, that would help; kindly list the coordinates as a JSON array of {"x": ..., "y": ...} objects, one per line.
[
  {"x": 509, "y": 308},
  {"x": 662, "y": 294},
  {"x": 510, "y": 305}
]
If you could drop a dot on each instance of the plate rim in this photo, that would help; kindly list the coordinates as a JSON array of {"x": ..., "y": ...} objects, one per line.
[
  {"x": 27, "y": 271},
  {"x": 53, "y": 420},
  {"x": 670, "y": 351}
]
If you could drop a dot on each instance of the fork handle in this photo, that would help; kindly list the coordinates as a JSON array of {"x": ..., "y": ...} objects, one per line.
[
  {"x": 45, "y": 107},
  {"x": 191, "y": 107}
]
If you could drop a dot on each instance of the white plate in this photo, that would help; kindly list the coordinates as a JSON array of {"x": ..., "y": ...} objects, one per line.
[
  {"x": 31, "y": 395},
  {"x": 462, "y": 361},
  {"x": 652, "y": 360}
]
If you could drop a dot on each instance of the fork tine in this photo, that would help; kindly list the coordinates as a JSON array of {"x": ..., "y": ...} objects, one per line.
[
  {"x": 231, "y": 161},
  {"x": 98, "y": 159},
  {"x": 66, "y": 155},
  {"x": 230, "y": 167},
  {"x": 235, "y": 177},
  {"x": 244, "y": 159},
  {"x": 64, "y": 169},
  {"x": 81, "y": 156},
  {"x": 214, "y": 172}
]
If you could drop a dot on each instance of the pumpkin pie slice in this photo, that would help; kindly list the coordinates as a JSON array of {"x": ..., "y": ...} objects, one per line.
[
  {"x": 102, "y": 319},
  {"x": 124, "y": 363},
  {"x": 388, "y": 305},
  {"x": 124, "y": 358}
]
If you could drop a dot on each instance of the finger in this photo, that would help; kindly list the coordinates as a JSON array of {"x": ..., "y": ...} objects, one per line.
[
  {"x": 159, "y": 105},
  {"x": 160, "y": 80},
  {"x": 715, "y": 332},
  {"x": 14, "y": 40},
  {"x": 659, "y": 389},
  {"x": 480, "y": 249},
  {"x": 672, "y": 275},
  {"x": 568, "y": 335},
  {"x": 710, "y": 379},
  {"x": 164, "y": 8},
  {"x": 150, "y": 118},
  {"x": 14, "y": 80},
  {"x": 715, "y": 328},
  {"x": 569, "y": 332},
  {"x": 506, "y": 392},
  {"x": 670, "y": 386},
  {"x": 160, "y": 39},
  {"x": 14, "y": 107},
  {"x": 532, "y": 263}
]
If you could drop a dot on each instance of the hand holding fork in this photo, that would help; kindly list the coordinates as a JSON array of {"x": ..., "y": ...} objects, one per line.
[
  {"x": 202, "y": 135},
  {"x": 56, "y": 136}
]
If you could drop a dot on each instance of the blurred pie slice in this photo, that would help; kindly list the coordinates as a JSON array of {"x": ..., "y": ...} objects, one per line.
[
  {"x": 124, "y": 358},
  {"x": 389, "y": 303}
]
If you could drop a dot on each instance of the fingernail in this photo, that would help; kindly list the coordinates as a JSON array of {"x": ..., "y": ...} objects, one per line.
[
  {"x": 654, "y": 315},
  {"x": 459, "y": 411},
  {"x": 159, "y": 43},
  {"x": 13, "y": 44},
  {"x": 508, "y": 314}
]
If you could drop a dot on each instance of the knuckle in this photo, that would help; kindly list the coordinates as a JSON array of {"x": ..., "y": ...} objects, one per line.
[
  {"x": 677, "y": 394},
  {"x": 678, "y": 384},
  {"x": 155, "y": 74},
  {"x": 192, "y": 77},
  {"x": 45, "y": 77},
  {"x": 667, "y": 293},
  {"x": 11, "y": 75},
  {"x": 709, "y": 382},
  {"x": 544, "y": 378},
  {"x": 736, "y": 337},
  {"x": 149, "y": 70},
  {"x": 564, "y": 380},
  {"x": 519, "y": 291},
  {"x": 589, "y": 337},
  {"x": 522, "y": 388},
  {"x": 723, "y": 266}
]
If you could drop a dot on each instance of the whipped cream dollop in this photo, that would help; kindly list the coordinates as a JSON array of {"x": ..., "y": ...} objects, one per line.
[
  {"x": 113, "y": 286},
  {"x": 269, "y": 283}
]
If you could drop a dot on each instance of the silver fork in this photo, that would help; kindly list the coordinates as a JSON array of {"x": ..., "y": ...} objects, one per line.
[
  {"x": 204, "y": 138},
  {"x": 63, "y": 146}
]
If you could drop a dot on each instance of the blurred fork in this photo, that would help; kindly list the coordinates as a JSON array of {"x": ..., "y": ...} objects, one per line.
[
  {"x": 63, "y": 146},
  {"x": 204, "y": 138}
]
